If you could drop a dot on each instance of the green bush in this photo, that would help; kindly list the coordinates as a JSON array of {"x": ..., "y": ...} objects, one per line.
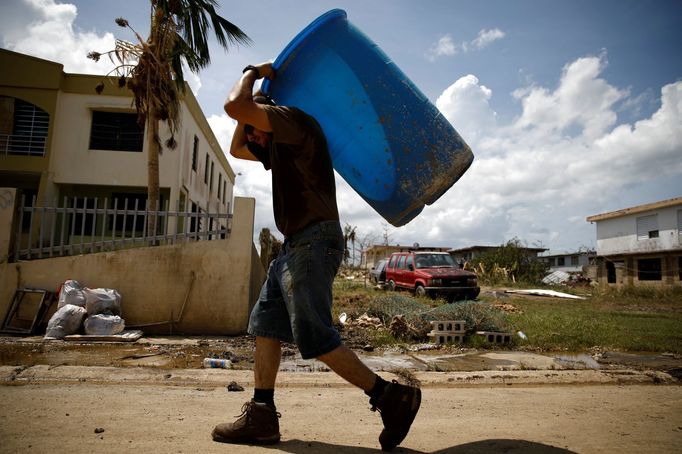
[{"x": 508, "y": 263}]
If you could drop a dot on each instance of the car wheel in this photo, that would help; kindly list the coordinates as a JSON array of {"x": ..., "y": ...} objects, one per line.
[
  {"x": 420, "y": 291},
  {"x": 391, "y": 285}
]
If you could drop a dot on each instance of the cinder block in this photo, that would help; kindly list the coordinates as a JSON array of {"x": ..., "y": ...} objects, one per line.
[
  {"x": 450, "y": 326},
  {"x": 446, "y": 337},
  {"x": 495, "y": 338}
]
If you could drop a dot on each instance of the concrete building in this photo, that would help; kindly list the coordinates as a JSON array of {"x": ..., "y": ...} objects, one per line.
[
  {"x": 467, "y": 254},
  {"x": 568, "y": 262},
  {"x": 59, "y": 138},
  {"x": 641, "y": 244},
  {"x": 376, "y": 252}
]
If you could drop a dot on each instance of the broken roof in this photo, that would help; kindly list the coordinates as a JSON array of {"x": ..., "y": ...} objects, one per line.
[{"x": 635, "y": 209}]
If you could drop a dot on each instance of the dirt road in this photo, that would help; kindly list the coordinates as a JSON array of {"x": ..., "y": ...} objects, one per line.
[{"x": 320, "y": 415}]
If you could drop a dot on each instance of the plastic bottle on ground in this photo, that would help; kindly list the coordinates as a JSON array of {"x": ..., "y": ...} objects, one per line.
[{"x": 214, "y": 363}]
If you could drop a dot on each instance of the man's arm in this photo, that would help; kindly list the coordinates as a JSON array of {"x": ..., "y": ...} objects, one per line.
[
  {"x": 238, "y": 147},
  {"x": 240, "y": 106}
]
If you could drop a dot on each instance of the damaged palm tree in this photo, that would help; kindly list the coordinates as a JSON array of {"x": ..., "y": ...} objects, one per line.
[{"x": 153, "y": 70}]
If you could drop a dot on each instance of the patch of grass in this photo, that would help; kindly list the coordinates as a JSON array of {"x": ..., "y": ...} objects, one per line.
[
  {"x": 644, "y": 319},
  {"x": 579, "y": 325},
  {"x": 383, "y": 338}
]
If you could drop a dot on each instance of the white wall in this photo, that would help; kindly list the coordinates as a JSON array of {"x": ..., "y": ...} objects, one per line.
[
  {"x": 74, "y": 163},
  {"x": 619, "y": 235}
]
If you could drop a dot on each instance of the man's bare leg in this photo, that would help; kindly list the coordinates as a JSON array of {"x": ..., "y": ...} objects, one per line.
[
  {"x": 259, "y": 423},
  {"x": 266, "y": 362},
  {"x": 348, "y": 366}
]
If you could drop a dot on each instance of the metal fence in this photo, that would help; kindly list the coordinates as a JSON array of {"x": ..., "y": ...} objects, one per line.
[
  {"x": 87, "y": 225},
  {"x": 22, "y": 145}
]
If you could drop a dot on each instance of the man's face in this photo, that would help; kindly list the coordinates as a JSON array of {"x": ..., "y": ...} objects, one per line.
[{"x": 260, "y": 137}]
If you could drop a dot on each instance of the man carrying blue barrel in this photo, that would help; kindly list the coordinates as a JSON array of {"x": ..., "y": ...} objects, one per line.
[{"x": 295, "y": 303}]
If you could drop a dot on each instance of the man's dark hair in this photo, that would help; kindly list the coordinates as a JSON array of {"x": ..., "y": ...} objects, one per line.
[
  {"x": 264, "y": 99},
  {"x": 259, "y": 152}
]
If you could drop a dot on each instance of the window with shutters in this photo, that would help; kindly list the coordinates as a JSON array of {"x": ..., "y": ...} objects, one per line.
[
  {"x": 647, "y": 227},
  {"x": 115, "y": 131}
]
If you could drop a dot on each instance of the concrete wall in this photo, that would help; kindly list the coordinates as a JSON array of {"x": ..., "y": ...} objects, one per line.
[
  {"x": 619, "y": 235},
  {"x": 219, "y": 279}
]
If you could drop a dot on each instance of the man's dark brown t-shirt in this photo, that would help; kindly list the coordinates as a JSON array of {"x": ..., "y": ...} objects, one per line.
[{"x": 303, "y": 187}]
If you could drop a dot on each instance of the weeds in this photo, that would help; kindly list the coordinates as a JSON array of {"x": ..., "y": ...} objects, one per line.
[
  {"x": 627, "y": 318},
  {"x": 407, "y": 376}
]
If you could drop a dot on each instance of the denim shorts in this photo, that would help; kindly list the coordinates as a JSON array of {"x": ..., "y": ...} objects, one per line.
[{"x": 295, "y": 302}]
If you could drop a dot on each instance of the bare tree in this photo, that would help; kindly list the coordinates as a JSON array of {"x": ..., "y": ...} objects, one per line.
[
  {"x": 386, "y": 235},
  {"x": 348, "y": 235},
  {"x": 365, "y": 242}
]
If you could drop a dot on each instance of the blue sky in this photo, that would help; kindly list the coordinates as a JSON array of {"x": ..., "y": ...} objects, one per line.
[{"x": 572, "y": 108}]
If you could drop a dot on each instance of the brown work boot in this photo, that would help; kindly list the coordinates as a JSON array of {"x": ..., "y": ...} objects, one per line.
[
  {"x": 398, "y": 405},
  {"x": 258, "y": 424}
]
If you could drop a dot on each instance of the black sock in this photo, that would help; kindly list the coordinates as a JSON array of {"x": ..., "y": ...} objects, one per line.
[
  {"x": 378, "y": 388},
  {"x": 264, "y": 396}
]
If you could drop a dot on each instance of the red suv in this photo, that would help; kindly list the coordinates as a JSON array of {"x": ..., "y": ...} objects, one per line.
[{"x": 431, "y": 273}]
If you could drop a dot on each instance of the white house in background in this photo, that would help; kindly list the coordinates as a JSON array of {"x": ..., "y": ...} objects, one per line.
[
  {"x": 568, "y": 262},
  {"x": 641, "y": 244}
]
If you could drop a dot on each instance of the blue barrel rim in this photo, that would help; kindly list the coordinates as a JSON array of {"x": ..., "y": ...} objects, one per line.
[{"x": 329, "y": 16}]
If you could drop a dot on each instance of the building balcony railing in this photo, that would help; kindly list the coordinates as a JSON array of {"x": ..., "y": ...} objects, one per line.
[
  {"x": 86, "y": 225},
  {"x": 22, "y": 144}
]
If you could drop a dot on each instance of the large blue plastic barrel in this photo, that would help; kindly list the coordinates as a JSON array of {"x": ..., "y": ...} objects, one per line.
[{"x": 386, "y": 139}]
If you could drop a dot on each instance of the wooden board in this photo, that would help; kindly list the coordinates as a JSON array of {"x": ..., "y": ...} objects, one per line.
[{"x": 125, "y": 336}]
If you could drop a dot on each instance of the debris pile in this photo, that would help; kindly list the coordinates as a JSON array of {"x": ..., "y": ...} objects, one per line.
[
  {"x": 509, "y": 308},
  {"x": 97, "y": 311},
  {"x": 352, "y": 274},
  {"x": 400, "y": 327},
  {"x": 364, "y": 321}
]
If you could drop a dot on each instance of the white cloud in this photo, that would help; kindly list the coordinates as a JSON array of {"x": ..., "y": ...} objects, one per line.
[
  {"x": 564, "y": 158},
  {"x": 192, "y": 79},
  {"x": 445, "y": 46},
  {"x": 466, "y": 106},
  {"x": 485, "y": 37},
  {"x": 51, "y": 35},
  {"x": 583, "y": 100}
]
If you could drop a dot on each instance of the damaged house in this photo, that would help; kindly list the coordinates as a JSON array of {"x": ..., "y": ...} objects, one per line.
[{"x": 640, "y": 245}]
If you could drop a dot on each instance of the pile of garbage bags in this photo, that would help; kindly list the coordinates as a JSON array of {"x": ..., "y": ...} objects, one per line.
[{"x": 97, "y": 311}]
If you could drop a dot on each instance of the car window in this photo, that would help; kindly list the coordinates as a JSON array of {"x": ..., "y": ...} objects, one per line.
[
  {"x": 391, "y": 264},
  {"x": 410, "y": 261},
  {"x": 433, "y": 260},
  {"x": 401, "y": 262}
]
